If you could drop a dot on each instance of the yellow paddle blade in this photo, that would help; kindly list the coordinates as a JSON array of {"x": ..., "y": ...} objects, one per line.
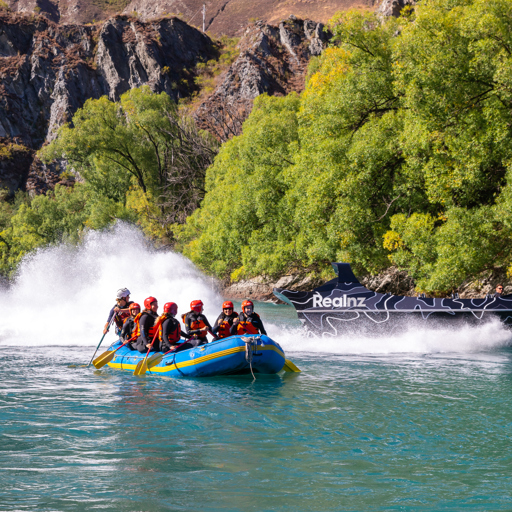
[
  {"x": 104, "y": 359},
  {"x": 290, "y": 367},
  {"x": 141, "y": 367},
  {"x": 154, "y": 360}
]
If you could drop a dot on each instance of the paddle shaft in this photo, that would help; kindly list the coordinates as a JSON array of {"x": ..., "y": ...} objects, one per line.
[
  {"x": 101, "y": 341},
  {"x": 150, "y": 347}
]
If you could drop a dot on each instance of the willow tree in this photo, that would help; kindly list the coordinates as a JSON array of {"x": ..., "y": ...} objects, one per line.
[{"x": 140, "y": 152}]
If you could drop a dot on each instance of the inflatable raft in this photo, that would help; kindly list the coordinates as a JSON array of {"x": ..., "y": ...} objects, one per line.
[
  {"x": 236, "y": 355},
  {"x": 344, "y": 305}
]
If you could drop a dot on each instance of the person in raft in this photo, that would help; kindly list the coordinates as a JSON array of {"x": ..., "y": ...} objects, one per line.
[
  {"x": 224, "y": 322},
  {"x": 120, "y": 310},
  {"x": 145, "y": 326},
  {"x": 248, "y": 322},
  {"x": 169, "y": 330},
  {"x": 196, "y": 323},
  {"x": 129, "y": 323}
]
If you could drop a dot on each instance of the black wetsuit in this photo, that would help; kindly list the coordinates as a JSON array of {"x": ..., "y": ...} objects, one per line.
[
  {"x": 171, "y": 328},
  {"x": 192, "y": 317},
  {"x": 254, "y": 319},
  {"x": 146, "y": 322},
  {"x": 127, "y": 330}
]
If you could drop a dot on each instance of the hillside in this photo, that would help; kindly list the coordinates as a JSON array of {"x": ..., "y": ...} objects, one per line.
[
  {"x": 228, "y": 17},
  {"x": 48, "y": 71}
]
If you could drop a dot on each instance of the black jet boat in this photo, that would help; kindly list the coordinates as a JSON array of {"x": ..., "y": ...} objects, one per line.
[{"x": 345, "y": 305}]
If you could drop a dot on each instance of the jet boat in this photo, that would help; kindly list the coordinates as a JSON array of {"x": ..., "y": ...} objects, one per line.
[{"x": 344, "y": 305}]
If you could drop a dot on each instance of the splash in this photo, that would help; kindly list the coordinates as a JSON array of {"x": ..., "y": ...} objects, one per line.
[
  {"x": 62, "y": 295},
  {"x": 414, "y": 340}
]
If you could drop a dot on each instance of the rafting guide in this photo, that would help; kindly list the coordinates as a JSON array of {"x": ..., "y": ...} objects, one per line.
[{"x": 149, "y": 343}]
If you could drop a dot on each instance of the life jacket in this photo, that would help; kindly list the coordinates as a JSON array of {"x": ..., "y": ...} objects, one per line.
[
  {"x": 121, "y": 317},
  {"x": 196, "y": 322},
  {"x": 224, "y": 329},
  {"x": 245, "y": 326},
  {"x": 136, "y": 330},
  {"x": 175, "y": 335}
]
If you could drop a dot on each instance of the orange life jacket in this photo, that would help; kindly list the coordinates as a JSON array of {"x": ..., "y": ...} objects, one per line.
[
  {"x": 174, "y": 337},
  {"x": 136, "y": 330},
  {"x": 194, "y": 324},
  {"x": 246, "y": 327},
  {"x": 224, "y": 327}
]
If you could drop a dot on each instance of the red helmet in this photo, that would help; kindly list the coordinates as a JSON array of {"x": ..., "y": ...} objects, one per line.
[
  {"x": 171, "y": 308},
  {"x": 134, "y": 305},
  {"x": 149, "y": 301},
  {"x": 246, "y": 303},
  {"x": 227, "y": 304},
  {"x": 196, "y": 305}
]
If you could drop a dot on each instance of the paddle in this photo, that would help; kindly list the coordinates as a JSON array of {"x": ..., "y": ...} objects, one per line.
[
  {"x": 107, "y": 356},
  {"x": 101, "y": 341},
  {"x": 290, "y": 367},
  {"x": 142, "y": 366}
]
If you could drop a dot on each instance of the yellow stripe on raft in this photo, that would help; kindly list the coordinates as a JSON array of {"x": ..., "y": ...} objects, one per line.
[{"x": 216, "y": 355}]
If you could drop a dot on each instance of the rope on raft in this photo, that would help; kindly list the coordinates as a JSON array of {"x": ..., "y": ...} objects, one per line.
[{"x": 250, "y": 345}]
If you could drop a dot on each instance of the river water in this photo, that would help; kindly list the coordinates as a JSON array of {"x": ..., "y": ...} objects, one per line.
[{"x": 420, "y": 421}]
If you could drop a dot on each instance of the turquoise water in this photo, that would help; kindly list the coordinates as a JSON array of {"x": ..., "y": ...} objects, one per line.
[{"x": 352, "y": 432}]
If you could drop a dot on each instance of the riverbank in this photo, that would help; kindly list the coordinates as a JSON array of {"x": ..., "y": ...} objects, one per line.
[{"x": 392, "y": 280}]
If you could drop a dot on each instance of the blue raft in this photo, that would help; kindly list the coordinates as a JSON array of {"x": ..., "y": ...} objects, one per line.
[{"x": 229, "y": 356}]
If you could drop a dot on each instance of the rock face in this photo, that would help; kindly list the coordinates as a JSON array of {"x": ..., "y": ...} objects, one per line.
[
  {"x": 48, "y": 71},
  {"x": 272, "y": 59},
  {"x": 394, "y": 7}
]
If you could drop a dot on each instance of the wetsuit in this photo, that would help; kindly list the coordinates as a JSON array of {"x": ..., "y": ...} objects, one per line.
[
  {"x": 127, "y": 330},
  {"x": 223, "y": 324},
  {"x": 170, "y": 334},
  {"x": 145, "y": 332},
  {"x": 251, "y": 324},
  {"x": 194, "y": 322}
]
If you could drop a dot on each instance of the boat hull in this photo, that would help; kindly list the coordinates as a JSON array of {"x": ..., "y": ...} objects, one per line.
[
  {"x": 229, "y": 356},
  {"x": 344, "y": 305}
]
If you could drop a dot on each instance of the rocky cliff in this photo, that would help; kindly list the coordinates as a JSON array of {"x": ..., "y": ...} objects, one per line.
[
  {"x": 273, "y": 59},
  {"x": 48, "y": 71}
]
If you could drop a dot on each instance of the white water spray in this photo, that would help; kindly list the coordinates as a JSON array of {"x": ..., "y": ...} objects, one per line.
[
  {"x": 62, "y": 296},
  {"x": 415, "y": 340}
]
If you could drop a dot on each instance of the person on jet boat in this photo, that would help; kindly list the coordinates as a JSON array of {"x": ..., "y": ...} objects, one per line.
[
  {"x": 224, "y": 322},
  {"x": 129, "y": 323},
  {"x": 196, "y": 323},
  {"x": 120, "y": 310},
  {"x": 145, "y": 326},
  {"x": 499, "y": 291},
  {"x": 248, "y": 322},
  {"x": 169, "y": 331}
]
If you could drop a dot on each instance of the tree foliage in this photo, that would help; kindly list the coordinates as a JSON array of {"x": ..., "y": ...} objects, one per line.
[
  {"x": 141, "y": 143},
  {"x": 399, "y": 151}
]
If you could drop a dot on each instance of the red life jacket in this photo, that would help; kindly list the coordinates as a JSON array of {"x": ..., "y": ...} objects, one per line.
[
  {"x": 246, "y": 327},
  {"x": 174, "y": 337}
]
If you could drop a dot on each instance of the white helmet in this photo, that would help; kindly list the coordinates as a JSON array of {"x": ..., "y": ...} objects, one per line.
[{"x": 122, "y": 293}]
